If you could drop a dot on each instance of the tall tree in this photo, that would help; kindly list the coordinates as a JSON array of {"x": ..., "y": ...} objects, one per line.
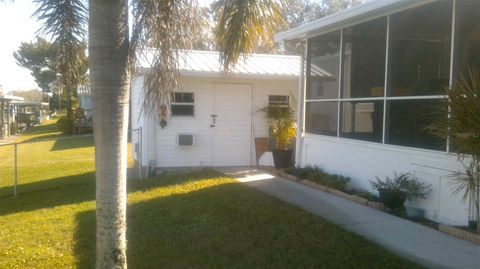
[
  {"x": 64, "y": 21},
  {"x": 39, "y": 57},
  {"x": 164, "y": 25},
  {"x": 45, "y": 62},
  {"x": 202, "y": 29}
]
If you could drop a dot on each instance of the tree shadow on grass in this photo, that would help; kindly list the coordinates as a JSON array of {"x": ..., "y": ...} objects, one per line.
[
  {"x": 67, "y": 143},
  {"x": 48, "y": 193},
  {"x": 62, "y": 142},
  {"x": 41, "y": 129},
  {"x": 232, "y": 226}
]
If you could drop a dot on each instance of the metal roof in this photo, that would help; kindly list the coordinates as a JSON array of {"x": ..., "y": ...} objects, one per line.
[
  {"x": 207, "y": 64},
  {"x": 367, "y": 11},
  {"x": 10, "y": 97},
  {"x": 30, "y": 103}
]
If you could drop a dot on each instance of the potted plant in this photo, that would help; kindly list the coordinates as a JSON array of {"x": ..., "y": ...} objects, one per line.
[
  {"x": 462, "y": 128},
  {"x": 284, "y": 130},
  {"x": 395, "y": 191}
]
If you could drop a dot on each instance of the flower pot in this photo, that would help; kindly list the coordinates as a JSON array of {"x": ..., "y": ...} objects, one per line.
[
  {"x": 282, "y": 158},
  {"x": 414, "y": 213},
  {"x": 472, "y": 224},
  {"x": 392, "y": 198}
]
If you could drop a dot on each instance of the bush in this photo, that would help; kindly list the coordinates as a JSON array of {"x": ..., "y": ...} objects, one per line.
[
  {"x": 317, "y": 175},
  {"x": 402, "y": 182},
  {"x": 66, "y": 124}
]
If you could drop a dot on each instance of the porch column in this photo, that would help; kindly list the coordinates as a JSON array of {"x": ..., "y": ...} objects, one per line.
[
  {"x": 300, "y": 110},
  {"x": 2, "y": 121},
  {"x": 8, "y": 119}
]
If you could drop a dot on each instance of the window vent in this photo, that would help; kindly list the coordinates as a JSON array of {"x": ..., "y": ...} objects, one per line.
[
  {"x": 279, "y": 100},
  {"x": 185, "y": 140}
]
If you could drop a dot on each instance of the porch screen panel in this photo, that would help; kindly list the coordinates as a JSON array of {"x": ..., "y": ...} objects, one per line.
[
  {"x": 362, "y": 120},
  {"x": 420, "y": 48},
  {"x": 410, "y": 122},
  {"x": 364, "y": 59},
  {"x": 321, "y": 118},
  {"x": 467, "y": 32},
  {"x": 324, "y": 66}
]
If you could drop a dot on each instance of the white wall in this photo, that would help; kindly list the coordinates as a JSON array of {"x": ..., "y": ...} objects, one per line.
[
  {"x": 141, "y": 122},
  {"x": 160, "y": 144},
  {"x": 362, "y": 161}
]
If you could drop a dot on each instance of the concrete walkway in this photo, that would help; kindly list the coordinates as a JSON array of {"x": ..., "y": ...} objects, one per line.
[{"x": 412, "y": 241}]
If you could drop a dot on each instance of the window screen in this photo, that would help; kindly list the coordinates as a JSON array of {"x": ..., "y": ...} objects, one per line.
[{"x": 183, "y": 104}]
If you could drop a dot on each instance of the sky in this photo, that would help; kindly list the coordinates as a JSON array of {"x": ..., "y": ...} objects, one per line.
[{"x": 16, "y": 25}]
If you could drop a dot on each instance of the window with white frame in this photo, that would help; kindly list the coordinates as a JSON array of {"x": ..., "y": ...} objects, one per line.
[
  {"x": 183, "y": 104},
  {"x": 383, "y": 80}
]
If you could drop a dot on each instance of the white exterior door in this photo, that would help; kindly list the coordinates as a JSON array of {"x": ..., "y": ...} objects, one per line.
[{"x": 232, "y": 139}]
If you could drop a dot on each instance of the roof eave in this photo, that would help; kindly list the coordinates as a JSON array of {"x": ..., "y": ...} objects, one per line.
[{"x": 361, "y": 13}]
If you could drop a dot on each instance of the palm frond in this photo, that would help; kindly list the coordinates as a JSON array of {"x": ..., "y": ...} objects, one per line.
[
  {"x": 241, "y": 24},
  {"x": 63, "y": 20},
  {"x": 462, "y": 126},
  {"x": 161, "y": 28}
]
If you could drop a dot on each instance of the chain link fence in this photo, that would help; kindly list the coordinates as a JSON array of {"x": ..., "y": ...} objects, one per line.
[{"x": 24, "y": 164}]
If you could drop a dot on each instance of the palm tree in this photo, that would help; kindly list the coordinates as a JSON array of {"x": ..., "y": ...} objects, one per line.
[
  {"x": 113, "y": 50},
  {"x": 462, "y": 128}
]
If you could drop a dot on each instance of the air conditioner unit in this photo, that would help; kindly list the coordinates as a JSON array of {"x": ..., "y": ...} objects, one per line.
[{"x": 185, "y": 140}]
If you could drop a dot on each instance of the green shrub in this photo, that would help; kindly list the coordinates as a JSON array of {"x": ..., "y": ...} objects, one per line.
[
  {"x": 66, "y": 124},
  {"x": 402, "y": 182},
  {"x": 317, "y": 175}
]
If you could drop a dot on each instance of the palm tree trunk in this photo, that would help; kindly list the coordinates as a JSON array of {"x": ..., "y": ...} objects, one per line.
[{"x": 109, "y": 80}]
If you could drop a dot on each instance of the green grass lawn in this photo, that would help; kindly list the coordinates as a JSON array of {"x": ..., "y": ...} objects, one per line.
[{"x": 193, "y": 220}]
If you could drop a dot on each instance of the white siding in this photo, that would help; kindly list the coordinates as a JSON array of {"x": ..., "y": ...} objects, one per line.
[{"x": 362, "y": 161}]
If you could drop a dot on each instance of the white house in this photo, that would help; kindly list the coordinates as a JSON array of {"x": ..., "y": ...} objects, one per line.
[
  {"x": 7, "y": 113},
  {"x": 389, "y": 60},
  {"x": 215, "y": 117}
]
